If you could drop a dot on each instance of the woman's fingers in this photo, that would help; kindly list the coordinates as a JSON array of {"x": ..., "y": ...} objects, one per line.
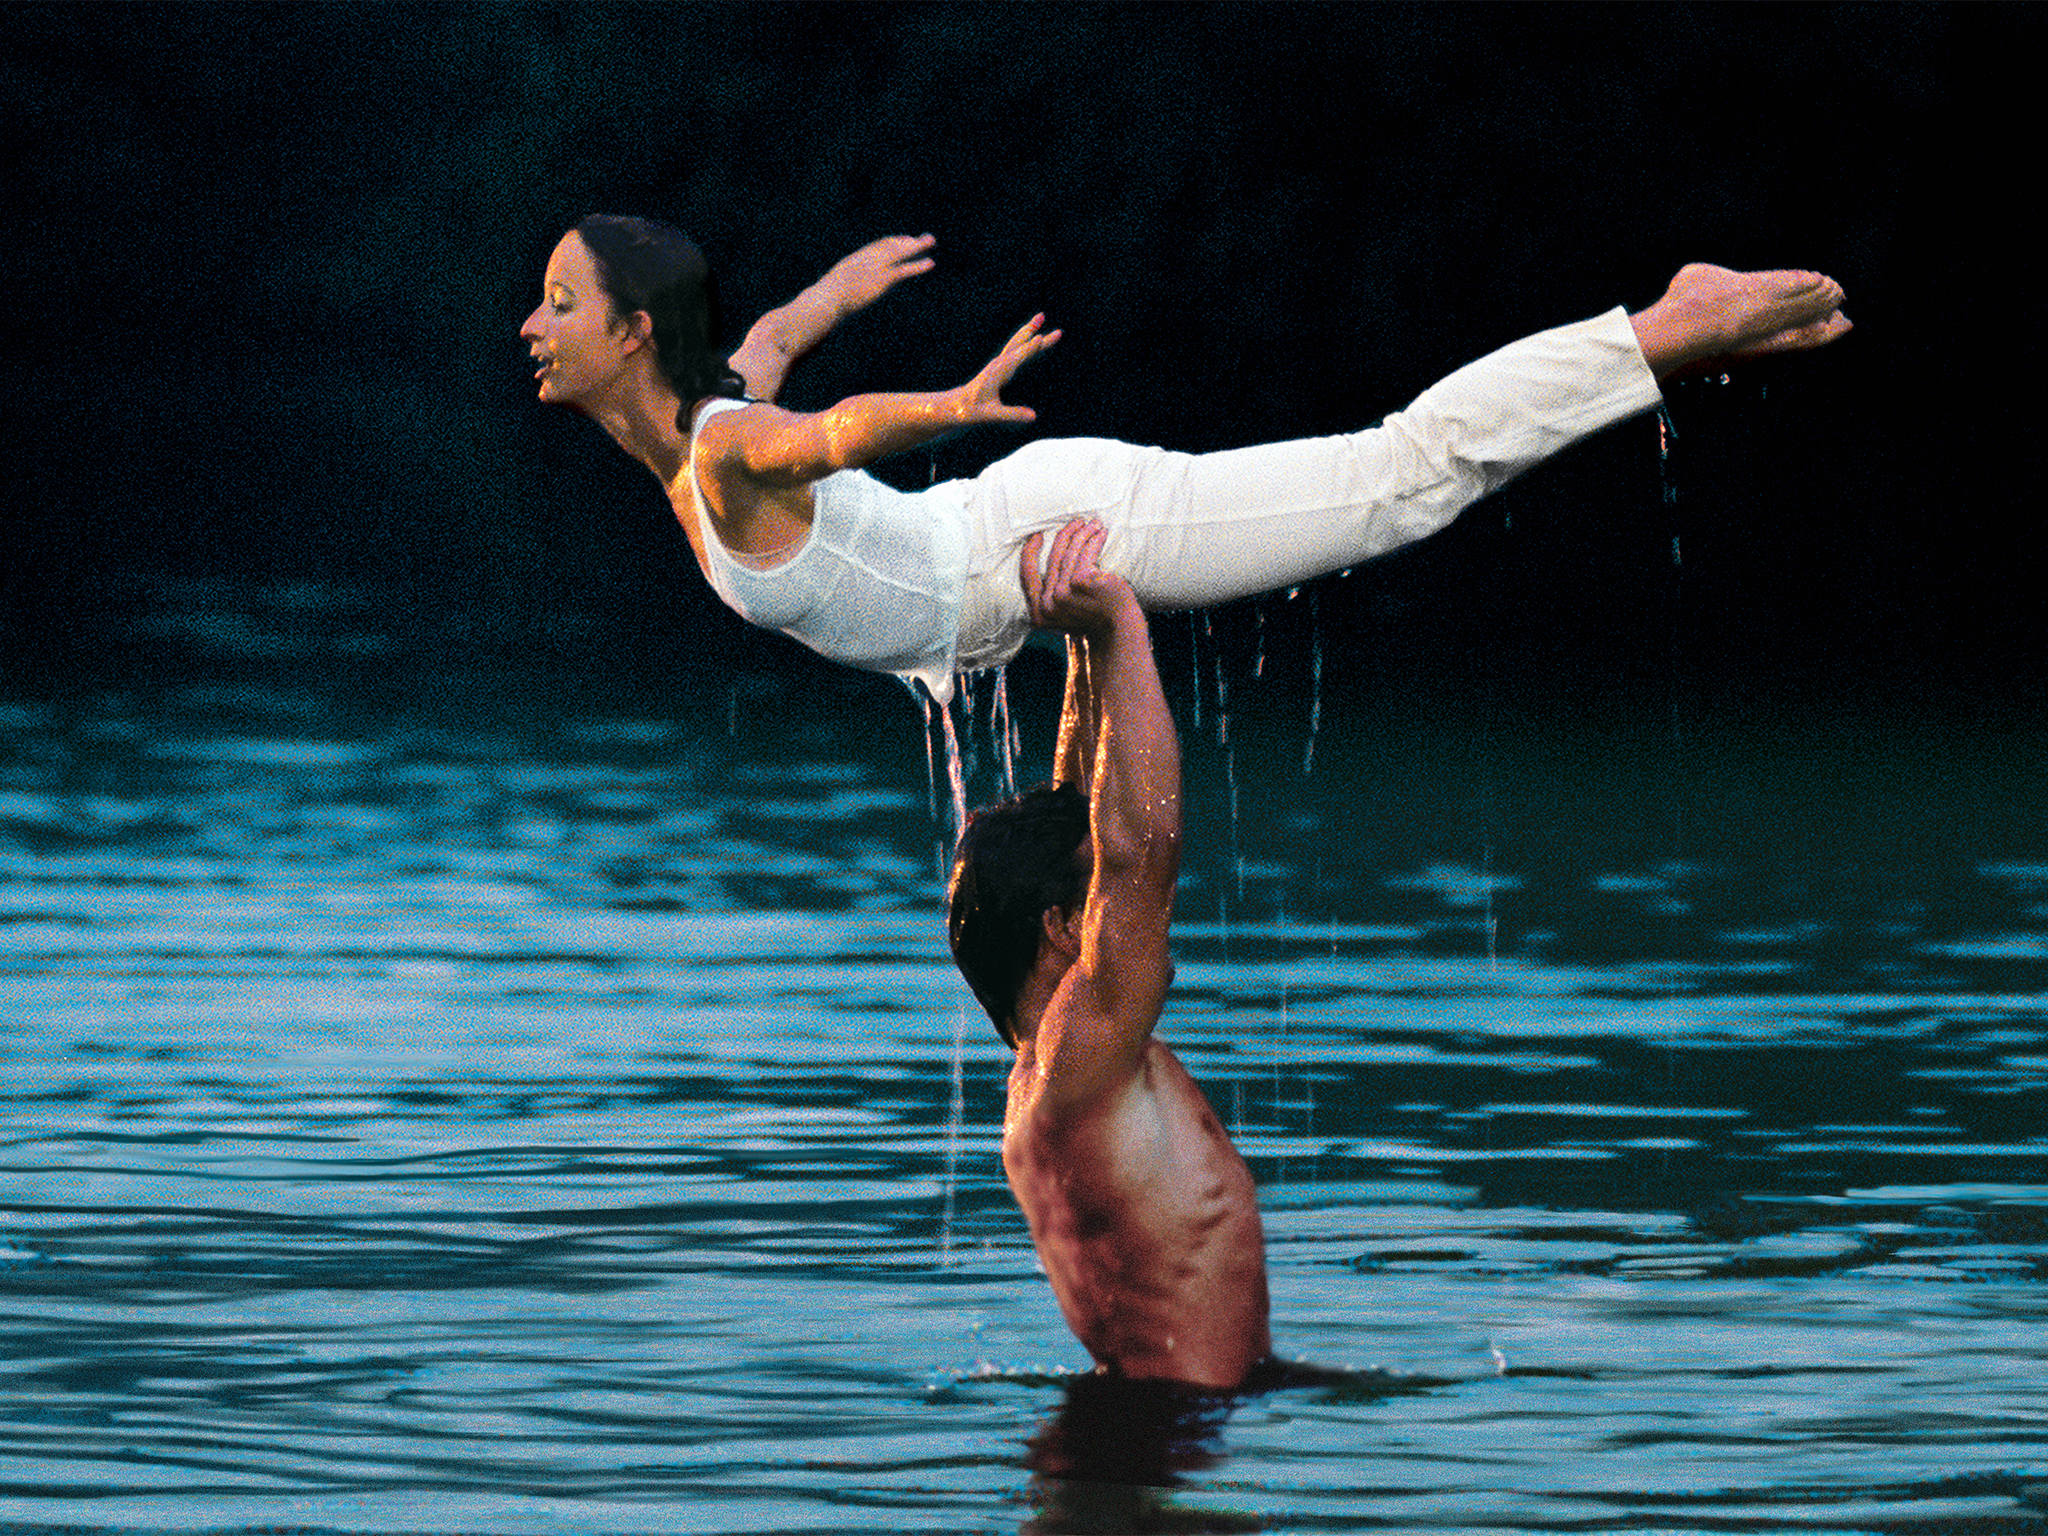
[
  {"x": 1030, "y": 340},
  {"x": 860, "y": 279},
  {"x": 906, "y": 255},
  {"x": 984, "y": 393}
]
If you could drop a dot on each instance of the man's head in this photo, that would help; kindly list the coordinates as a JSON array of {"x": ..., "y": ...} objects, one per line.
[{"x": 1017, "y": 859}]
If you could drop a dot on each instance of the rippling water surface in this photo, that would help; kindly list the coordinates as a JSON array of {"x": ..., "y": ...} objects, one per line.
[{"x": 505, "y": 1112}]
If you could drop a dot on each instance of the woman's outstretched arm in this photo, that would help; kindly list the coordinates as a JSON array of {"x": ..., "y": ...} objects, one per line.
[
  {"x": 768, "y": 448},
  {"x": 785, "y": 334}
]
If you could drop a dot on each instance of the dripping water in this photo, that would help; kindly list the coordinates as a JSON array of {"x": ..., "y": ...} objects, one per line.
[
  {"x": 1279, "y": 1055},
  {"x": 1308, "y": 1104},
  {"x": 1229, "y": 750},
  {"x": 955, "y": 1113},
  {"x": 1486, "y": 889},
  {"x": 969, "y": 741},
  {"x": 1003, "y": 733},
  {"x": 1667, "y": 434},
  {"x": 1315, "y": 680},
  {"x": 941, "y": 739},
  {"x": 957, "y": 771},
  {"x": 1222, "y": 687},
  {"x": 932, "y": 708}
]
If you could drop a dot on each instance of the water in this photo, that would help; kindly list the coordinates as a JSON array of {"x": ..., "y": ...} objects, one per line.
[{"x": 453, "y": 1111}]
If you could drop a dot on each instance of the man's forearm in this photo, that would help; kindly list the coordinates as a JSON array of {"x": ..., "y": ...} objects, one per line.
[
  {"x": 1136, "y": 810},
  {"x": 1080, "y": 719}
]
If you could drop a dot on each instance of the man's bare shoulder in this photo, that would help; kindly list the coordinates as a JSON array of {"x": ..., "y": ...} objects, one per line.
[
  {"x": 1092, "y": 1046},
  {"x": 1045, "y": 1101},
  {"x": 1140, "y": 1115}
]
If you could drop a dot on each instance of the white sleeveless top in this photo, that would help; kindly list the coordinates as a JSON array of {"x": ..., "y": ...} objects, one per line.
[{"x": 877, "y": 583}]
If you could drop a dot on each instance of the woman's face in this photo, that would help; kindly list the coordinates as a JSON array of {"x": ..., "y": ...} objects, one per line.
[{"x": 573, "y": 334}]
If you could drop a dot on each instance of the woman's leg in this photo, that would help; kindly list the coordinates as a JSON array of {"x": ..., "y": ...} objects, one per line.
[{"x": 1193, "y": 530}]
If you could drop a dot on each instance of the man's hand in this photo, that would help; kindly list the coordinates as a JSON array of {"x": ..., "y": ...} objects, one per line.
[
  {"x": 1117, "y": 741},
  {"x": 1710, "y": 315},
  {"x": 1073, "y": 594}
]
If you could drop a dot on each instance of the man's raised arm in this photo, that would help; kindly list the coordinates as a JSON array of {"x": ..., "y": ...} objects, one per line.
[{"x": 1117, "y": 730}]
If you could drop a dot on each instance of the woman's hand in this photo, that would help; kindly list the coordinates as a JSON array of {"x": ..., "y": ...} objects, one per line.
[
  {"x": 776, "y": 449},
  {"x": 981, "y": 398},
  {"x": 785, "y": 334},
  {"x": 858, "y": 280}
]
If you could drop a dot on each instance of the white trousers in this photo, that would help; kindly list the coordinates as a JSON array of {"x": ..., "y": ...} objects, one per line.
[{"x": 1193, "y": 530}]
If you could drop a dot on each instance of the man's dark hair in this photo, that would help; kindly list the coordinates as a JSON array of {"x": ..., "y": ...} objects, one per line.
[
  {"x": 647, "y": 265},
  {"x": 1016, "y": 858}
]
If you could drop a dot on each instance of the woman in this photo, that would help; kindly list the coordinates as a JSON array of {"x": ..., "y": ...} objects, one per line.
[{"x": 794, "y": 537}]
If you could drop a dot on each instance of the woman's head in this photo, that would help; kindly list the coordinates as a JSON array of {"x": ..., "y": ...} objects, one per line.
[{"x": 646, "y": 267}]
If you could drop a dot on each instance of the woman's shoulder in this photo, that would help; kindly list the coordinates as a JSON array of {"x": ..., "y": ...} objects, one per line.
[
  {"x": 717, "y": 404},
  {"x": 716, "y": 428}
]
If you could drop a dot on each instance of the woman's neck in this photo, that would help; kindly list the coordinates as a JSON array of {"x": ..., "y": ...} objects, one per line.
[{"x": 643, "y": 420}]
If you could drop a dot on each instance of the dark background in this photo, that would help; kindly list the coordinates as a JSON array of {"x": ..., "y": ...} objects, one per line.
[{"x": 265, "y": 401}]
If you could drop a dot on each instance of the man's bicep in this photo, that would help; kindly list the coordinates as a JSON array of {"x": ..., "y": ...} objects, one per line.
[
  {"x": 1094, "y": 1033},
  {"x": 1126, "y": 953}
]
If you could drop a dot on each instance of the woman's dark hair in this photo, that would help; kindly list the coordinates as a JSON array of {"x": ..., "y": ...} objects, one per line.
[
  {"x": 646, "y": 265},
  {"x": 1016, "y": 858}
]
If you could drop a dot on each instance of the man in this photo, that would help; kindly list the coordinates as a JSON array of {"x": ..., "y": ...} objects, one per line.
[{"x": 1143, "y": 1213}]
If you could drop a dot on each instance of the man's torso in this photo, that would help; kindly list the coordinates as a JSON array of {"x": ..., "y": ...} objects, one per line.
[{"x": 1147, "y": 1221}]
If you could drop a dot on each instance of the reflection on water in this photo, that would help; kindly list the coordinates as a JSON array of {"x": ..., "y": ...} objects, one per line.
[{"x": 464, "y": 1115}]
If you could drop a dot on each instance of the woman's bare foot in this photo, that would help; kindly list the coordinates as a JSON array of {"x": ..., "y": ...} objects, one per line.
[{"x": 1710, "y": 313}]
